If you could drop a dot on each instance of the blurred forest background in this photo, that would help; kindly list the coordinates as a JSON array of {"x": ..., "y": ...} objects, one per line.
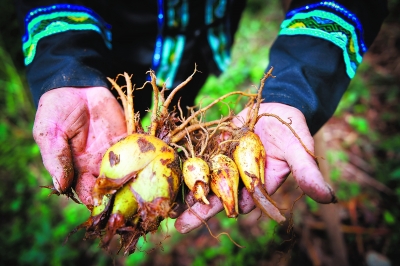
[{"x": 360, "y": 144}]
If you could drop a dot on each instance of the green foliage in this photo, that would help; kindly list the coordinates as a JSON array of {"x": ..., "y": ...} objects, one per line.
[
  {"x": 244, "y": 72},
  {"x": 360, "y": 124},
  {"x": 348, "y": 190},
  {"x": 357, "y": 93},
  {"x": 345, "y": 190},
  {"x": 311, "y": 204},
  {"x": 395, "y": 174},
  {"x": 254, "y": 248},
  {"x": 389, "y": 218}
]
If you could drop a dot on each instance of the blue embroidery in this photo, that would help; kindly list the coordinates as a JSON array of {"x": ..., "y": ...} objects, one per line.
[
  {"x": 45, "y": 21},
  {"x": 329, "y": 26}
]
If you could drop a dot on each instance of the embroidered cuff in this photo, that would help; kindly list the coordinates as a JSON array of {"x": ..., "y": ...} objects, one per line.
[
  {"x": 45, "y": 21},
  {"x": 332, "y": 22}
]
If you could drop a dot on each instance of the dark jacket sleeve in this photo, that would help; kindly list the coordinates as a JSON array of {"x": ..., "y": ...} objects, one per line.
[
  {"x": 63, "y": 44},
  {"x": 317, "y": 52}
]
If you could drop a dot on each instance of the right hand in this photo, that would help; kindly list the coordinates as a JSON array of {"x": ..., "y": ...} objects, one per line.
[
  {"x": 285, "y": 154},
  {"x": 73, "y": 128}
]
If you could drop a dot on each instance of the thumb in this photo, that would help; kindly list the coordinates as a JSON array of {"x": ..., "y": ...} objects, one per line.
[
  {"x": 305, "y": 170},
  {"x": 197, "y": 214},
  {"x": 308, "y": 176},
  {"x": 56, "y": 153},
  {"x": 50, "y": 135},
  {"x": 288, "y": 141}
]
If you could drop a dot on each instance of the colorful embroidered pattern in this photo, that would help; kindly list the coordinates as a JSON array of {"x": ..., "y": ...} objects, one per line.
[
  {"x": 335, "y": 7},
  {"x": 331, "y": 27},
  {"x": 218, "y": 36},
  {"x": 171, "y": 57},
  {"x": 45, "y": 21},
  {"x": 169, "y": 49}
]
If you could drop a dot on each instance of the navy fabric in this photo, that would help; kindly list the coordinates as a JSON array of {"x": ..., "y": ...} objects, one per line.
[
  {"x": 310, "y": 75},
  {"x": 371, "y": 14},
  {"x": 64, "y": 61}
]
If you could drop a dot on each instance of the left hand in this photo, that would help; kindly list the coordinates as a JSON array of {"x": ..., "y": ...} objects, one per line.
[
  {"x": 285, "y": 154},
  {"x": 73, "y": 128}
]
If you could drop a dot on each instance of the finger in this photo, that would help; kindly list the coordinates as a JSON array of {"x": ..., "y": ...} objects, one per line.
[
  {"x": 246, "y": 203},
  {"x": 56, "y": 153},
  {"x": 84, "y": 186},
  {"x": 55, "y": 122},
  {"x": 276, "y": 172},
  {"x": 105, "y": 130},
  {"x": 197, "y": 214},
  {"x": 182, "y": 206},
  {"x": 306, "y": 172}
]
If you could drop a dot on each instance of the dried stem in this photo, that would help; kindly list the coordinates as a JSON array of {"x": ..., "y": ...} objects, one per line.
[
  {"x": 202, "y": 110},
  {"x": 291, "y": 129},
  {"x": 180, "y": 134},
  {"x": 224, "y": 128},
  {"x": 121, "y": 94},
  {"x": 180, "y": 110},
  {"x": 176, "y": 146},
  {"x": 164, "y": 108},
  {"x": 258, "y": 102},
  {"x": 204, "y": 143},
  {"x": 130, "y": 112},
  {"x": 190, "y": 144},
  {"x": 209, "y": 230},
  {"x": 154, "y": 122}
]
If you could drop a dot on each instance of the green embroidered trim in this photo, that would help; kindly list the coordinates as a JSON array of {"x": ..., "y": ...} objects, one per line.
[
  {"x": 57, "y": 22},
  {"x": 218, "y": 36},
  {"x": 219, "y": 45},
  {"x": 173, "y": 47},
  {"x": 330, "y": 27}
]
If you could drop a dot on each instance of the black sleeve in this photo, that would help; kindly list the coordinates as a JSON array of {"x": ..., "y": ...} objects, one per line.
[
  {"x": 317, "y": 53},
  {"x": 63, "y": 44}
]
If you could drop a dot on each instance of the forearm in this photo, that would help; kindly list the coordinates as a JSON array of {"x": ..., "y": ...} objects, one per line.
[
  {"x": 317, "y": 54},
  {"x": 64, "y": 46}
]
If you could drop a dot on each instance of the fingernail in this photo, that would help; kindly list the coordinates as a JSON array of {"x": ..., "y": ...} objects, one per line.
[{"x": 333, "y": 196}]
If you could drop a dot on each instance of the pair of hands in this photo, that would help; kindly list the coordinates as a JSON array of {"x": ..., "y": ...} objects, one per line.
[{"x": 74, "y": 127}]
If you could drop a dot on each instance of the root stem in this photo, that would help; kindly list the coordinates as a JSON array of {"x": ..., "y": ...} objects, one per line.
[
  {"x": 293, "y": 131},
  {"x": 258, "y": 102},
  {"x": 202, "y": 110}
]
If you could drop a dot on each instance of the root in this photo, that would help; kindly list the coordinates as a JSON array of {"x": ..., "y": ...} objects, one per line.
[
  {"x": 131, "y": 128},
  {"x": 164, "y": 108},
  {"x": 209, "y": 229},
  {"x": 180, "y": 111},
  {"x": 204, "y": 143},
  {"x": 176, "y": 146},
  {"x": 190, "y": 144},
  {"x": 202, "y": 110},
  {"x": 254, "y": 115},
  {"x": 154, "y": 123},
  {"x": 191, "y": 136},
  {"x": 293, "y": 131},
  {"x": 121, "y": 94},
  {"x": 176, "y": 138},
  {"x": 67, "y": 193},
  {"x": 127, "y": 101},
  {"x": 291, "y": 222}
]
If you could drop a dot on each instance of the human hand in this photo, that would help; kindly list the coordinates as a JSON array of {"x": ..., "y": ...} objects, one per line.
[
  {"x": 285, "y": 154},
  {"x": 73, "y": 128}
]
